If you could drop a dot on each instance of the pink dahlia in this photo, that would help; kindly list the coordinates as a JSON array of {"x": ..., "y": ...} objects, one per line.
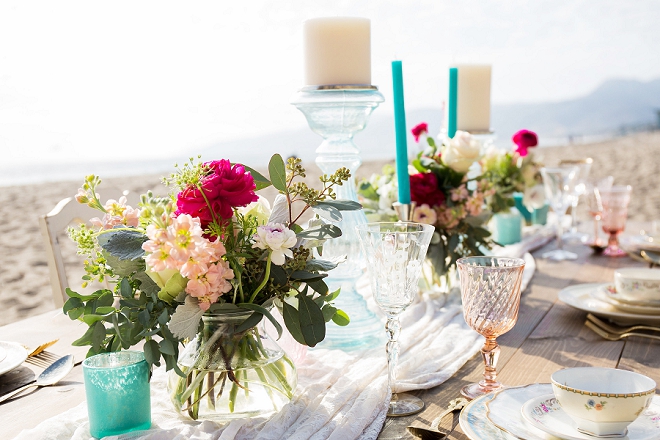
[{"x": 226, "y": 187}]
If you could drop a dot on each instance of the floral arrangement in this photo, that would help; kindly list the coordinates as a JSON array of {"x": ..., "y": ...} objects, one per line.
[
  {"x": 212, "y": 247},
  {"x": 508, "y": 172},
  {"x": 444, "y": 197}
]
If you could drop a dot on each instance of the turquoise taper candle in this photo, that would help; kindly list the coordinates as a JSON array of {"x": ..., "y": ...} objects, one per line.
[
  {"x": 453, "y": 101},
  {"x": 403, "y": 179}
]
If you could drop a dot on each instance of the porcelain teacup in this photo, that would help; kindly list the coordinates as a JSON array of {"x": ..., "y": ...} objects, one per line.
[
  {"x": 639, "y": 285},
  {"x": 602, "y": 401}
]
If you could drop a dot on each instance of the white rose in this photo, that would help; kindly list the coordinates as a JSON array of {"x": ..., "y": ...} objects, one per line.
[
  {"x": 461, "y": 152},
  {"x": 259, "y": 209},
  {"x": 387, "y": 195}
]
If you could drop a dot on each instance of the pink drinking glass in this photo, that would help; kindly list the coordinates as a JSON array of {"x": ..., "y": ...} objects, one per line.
[
  {"x": 490, "y": 290},
  {"x": 615, "y": 211}
]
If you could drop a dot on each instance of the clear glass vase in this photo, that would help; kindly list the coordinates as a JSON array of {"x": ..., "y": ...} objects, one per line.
[{"x": 231, "y": 372}]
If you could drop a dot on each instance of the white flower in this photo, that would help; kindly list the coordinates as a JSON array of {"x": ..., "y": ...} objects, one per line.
[
  {"x": 461, "y": 151},
  {"x": 278, "y": 238},
  {"x": 280, "y": 212},
  {"x": 259, "y": 209},
  {"x": 387, "y": 195},
  {"x": 534, "y": 197}
]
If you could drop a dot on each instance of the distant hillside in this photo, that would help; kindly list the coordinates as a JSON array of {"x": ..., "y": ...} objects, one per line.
[{"x": 616, "y": 107}]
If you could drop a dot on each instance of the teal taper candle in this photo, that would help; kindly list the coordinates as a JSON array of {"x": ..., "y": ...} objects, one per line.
[
  {"x": 403, "y": 179},
  {"x": 453, "y": 102}
]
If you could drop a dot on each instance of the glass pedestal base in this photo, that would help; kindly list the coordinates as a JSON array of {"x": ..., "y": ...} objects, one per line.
[
  {"x": 403, "y": 404},
  {"x": 475, "y": 390},
  {"x": 559, "y": 255}
]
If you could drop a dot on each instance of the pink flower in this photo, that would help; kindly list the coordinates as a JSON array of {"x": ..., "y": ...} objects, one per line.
[
  {"x": 425, "y": 214},
  {"x": 459, "y": 194},
  {"x": 524, "y": 139},
  {"x": 208, "y": 287},
  {"x": 419, "y": 130},
  {"x": 117, "y": 213},
  {"x": 226, "y": 187},
  {"x": 424, "y": 190}
]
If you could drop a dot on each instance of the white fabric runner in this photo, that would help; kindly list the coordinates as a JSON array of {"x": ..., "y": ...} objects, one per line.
[{"x": 340, "y": 395}]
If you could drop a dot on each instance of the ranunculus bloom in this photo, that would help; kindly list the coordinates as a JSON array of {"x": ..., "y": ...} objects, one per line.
[
  {"x": 424, "y": 190},
  {"x": 419, "y": 130},
  {"x": 226, "y": 187},
  {"x": 278, "y": 238},
  {"x": 525, "y": 139}
]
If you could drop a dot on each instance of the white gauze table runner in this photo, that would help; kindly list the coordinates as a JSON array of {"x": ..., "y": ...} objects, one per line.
[{"x": 340, "y": 395}]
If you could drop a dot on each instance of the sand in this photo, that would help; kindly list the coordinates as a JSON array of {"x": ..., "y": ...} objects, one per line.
[{"x": 24, "y": 280}]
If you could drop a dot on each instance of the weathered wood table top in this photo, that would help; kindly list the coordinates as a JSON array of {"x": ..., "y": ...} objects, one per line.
[{"x": 549, "y": 335}]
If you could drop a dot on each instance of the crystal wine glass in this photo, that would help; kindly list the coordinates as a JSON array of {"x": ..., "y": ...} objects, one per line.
[
  {"x": 583, "y": 166},
  {"x": 559, "y": 184},
  {"x": 395, "y": 253},
  {"x": 615, "y": 210},
  {"x": 490, "y": 290}
]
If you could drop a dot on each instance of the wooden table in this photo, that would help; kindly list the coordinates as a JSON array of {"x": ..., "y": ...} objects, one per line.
[{"x": 549, "y": 335}]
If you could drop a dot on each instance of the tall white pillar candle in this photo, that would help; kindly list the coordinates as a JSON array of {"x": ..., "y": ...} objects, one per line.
[
  {"x": 473, "y": 106},
  {"x": 337, "y": 51}
]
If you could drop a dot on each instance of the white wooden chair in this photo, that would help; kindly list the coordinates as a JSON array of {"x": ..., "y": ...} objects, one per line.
[{"x": 65, "y": 213}]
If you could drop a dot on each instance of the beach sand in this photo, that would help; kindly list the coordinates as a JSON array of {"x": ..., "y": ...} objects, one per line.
[{"x": 24, "y": 278}]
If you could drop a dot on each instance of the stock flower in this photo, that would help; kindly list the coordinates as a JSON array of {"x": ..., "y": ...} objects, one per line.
[
  {"x": 424, "y": 189},
  {"x": 425, "y": 214},
  {"x": 461, "y": 151},
  {"x": 209, "y": 286},
  {"x": 420, "y": 130},
  {"x": 226, "y": 187},
  {"x": 278, "y": 238},
  {"x": 117, "y": 213},
  {"x": 459, "y": 194},
  {"x": 524, "y": 139}
]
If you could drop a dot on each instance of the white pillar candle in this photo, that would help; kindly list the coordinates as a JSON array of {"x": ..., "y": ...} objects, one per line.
[
  {"x": 337, "y": 51},
  {"x": 473, "y": 106}
]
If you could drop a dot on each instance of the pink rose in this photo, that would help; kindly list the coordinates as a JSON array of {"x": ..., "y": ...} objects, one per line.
[
  {"x": 424, "y": 190},
  {"x": 419, "y": 130},
  {"x": 226, "y": 187},
  {"x": 525, "y": 139}
]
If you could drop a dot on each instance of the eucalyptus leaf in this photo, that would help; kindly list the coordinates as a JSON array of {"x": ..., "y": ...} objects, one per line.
[
  {"x": 250, "y": 321},
  {"x": 341, "y": 318},
  {"x": 328, "y": 212},
  {"x": 319, "y": 286},
  {"x": 259, "y": 180},
  {"x": 332, "y": 296},
  {"x": 265, "y": 312},
  {"x": 152, "y": 352},
  {"x": 328, "y": 312},
  {"x": 279, "y": 275},
  {"x": 319, "y": 265},
  {"x": 304, "y": 275},
  {"x": 292, "y": 322},
  {"x": 320, "y": 232},
  {"x": 277, "y": 172},
  {"x": 125, "y": 288},
  {"x": 96, "y": 294},
  {"x": 312, "y": 323},
  {"x": 147, "y": 285},
  {"x": 340, "y": 204},
  {"x": 98, "y": 335},
  {"x": 71, "y": 304}
]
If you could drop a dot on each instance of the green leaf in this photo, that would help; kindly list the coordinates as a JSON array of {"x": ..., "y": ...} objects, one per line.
[
  {"x": 332, "y": 296},
  {"x": 264, "y": 311},
  {"x": 105, "y": 310},
  {"x": 250, "y": 321},
  {"x": 166, "y": 347},
  {"x": 259, "y": 180},
  {"x": 223, "y": 307},
  {"x": 152, "y": 352},
  {"x": 319, "y": 286},
  {"x": 303, "y": 275},
  {"x": 98, "y": 335},
  {"x": 92, "y": 318},
  {"x": 320, "y": 232},
  {"x": 123, "y": 268},
  {"x": 107, "y": 299},
  {"x": 279, "y": 275},
  {"x": 147, "y": 285},
  {"x": 173, "y": 287},
  {"x": 328, "y": 312},
  {"x": 292, "y": 322},
  {"x": 96, "y": 294},
  {"x": 367, "y": 190},
  {"x": 328, "y": 212},
  {"x": 125, "y": 288},
  {"x": 312, "y": 324},
  {"x": 320, "y": 265},
  {"x": 123, "y": 244},
  {"x": 85, "y": 339},
  {"x": 71, "y": 304},
  {"x": 340, "y": 204},
  {"x": 341, "y": 318},
  {"x": 277, "y": 172},
  {"x": 185, "y": 320}
]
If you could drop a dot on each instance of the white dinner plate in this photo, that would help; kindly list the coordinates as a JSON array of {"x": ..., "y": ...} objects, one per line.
[
  {"x": 545, "y": 413},
  {"x": 476, "y": 425},
  {"x": 503, "y": 410},
  {"x": 579, "y": 296},
  {"x": 15, "y": 355},
  {"x": 607, "y": 293}
]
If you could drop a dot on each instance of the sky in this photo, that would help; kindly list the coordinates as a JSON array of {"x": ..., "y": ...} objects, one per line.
[{"x": 127, "y": 80}]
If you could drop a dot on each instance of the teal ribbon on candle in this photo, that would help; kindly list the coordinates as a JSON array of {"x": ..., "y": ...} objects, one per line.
[
  {"x": 453, "y": 101},
  {"x": 403, "y": 179}
]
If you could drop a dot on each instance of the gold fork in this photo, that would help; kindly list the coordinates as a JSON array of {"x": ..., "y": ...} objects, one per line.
[
  {"x": 616, "y": 337},
  {"x": 619, "y": 330}
]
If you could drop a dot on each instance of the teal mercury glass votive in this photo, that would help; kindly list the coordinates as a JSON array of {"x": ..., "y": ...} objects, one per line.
[
  {"x": 118, "y": 394},
  {"x": 508, "y": 227}
]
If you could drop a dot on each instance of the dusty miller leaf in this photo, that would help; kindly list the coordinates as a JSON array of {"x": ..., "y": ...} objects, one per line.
[
  {"x": 125, "y": 245},
  {"x": 185, "y": 320}
]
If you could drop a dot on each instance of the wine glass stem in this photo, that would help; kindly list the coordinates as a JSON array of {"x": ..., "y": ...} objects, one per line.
[
  {"x": 560, "y": 230},
  {"x": 574, "y": 221},
  {"x": 393, "y": 328},
  {"x": 490, "y": 353},
  {"x": 596, "y": 228},
  {"x": 613, "y": 241}
]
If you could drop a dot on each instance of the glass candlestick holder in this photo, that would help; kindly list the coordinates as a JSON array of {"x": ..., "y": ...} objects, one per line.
[{"x": 337, "y": 113}]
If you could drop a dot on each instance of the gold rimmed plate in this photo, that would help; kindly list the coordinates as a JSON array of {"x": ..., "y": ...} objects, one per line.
[{"x": 607, "y": 293}]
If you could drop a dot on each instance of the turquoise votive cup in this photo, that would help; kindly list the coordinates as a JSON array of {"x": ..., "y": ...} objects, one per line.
[
  {"x": 540, "y": 215},
  {"x": 118, "y": 394},
  {"x": 508, "y": 227}
]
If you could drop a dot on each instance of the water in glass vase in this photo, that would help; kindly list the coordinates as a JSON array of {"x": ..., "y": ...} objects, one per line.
[{"x": 231, "y": 373}]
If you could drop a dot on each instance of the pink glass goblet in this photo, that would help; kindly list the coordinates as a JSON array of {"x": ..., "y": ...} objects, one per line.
[
  {"x": 490, "y": 290},
  {"x": 615, "y": 211}
]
